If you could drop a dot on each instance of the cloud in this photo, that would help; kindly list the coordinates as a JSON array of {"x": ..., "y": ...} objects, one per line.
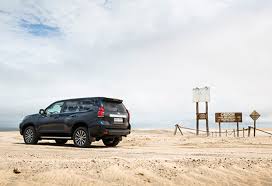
[{"x": 150, "y": 53}]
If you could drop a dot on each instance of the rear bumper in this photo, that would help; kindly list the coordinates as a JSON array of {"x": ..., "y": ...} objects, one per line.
[
  {"x": 101, "y": 131},
  {"x": 115, "y": 132}
]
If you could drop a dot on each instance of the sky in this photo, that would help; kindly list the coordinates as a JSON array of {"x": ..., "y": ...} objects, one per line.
[{"x": 150, "y": 53}]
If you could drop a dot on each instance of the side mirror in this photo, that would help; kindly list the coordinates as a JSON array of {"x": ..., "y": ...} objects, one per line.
[{"x": 42, "y": 112}]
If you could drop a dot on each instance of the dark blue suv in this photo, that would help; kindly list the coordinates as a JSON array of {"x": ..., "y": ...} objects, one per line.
[{"x": 83, "y": 120}]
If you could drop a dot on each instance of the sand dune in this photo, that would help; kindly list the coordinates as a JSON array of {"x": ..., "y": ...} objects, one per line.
[{"x": 144, "y": 158}]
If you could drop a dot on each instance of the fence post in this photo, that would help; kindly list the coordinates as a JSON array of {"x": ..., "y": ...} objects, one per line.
[
  {"x": 179, "y": 129},
  {"x": 226, "y": 133},
  {"x": 234, "y": 132},
  {"x": 176, "y": 127},
  {"x": 248, "y": 131},
  {"x": 243, "y": 132}
]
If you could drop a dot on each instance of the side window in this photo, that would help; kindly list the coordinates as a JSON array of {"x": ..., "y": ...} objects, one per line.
[
  {"x": 55, "y": 108},
  {"x": 71, "y": 106},
  {"x": 86, "y": 105}
]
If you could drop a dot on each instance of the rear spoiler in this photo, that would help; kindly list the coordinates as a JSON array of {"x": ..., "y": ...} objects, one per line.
[{"x": 112, "y": 100}]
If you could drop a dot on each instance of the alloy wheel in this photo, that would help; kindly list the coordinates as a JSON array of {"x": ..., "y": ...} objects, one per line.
[
  {"x": 29, "y": 134},
  {"x": 80, "y": 137}
]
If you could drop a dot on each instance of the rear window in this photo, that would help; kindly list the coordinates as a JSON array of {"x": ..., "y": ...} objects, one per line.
[
  {"x": 114, "y": 106},
  {"x": 78, "y": 106},
  {"x": 86, "y": 105}
]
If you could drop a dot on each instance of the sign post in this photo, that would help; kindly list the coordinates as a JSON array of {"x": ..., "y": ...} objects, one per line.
[
  {"x": 201, "y": 95},
  {"x": 228, "y": 117},
  {"x": 255, "y": 115}
]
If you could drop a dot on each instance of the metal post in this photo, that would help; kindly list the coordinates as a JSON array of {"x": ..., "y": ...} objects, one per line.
[
  {"x": 197, "y": 121},
  {"x": 219, "y": 128},
  {"x": 254, "y": 128},
  {"x": 207, "y": 119},
  {"x": 237, "y": 129}
]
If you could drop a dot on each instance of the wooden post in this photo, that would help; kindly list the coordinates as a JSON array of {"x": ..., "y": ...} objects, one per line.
[
  {"x": 219, "y": 128},
  {"x": 234, "y": 132},
  {"x": 237, "y": 129},
  {"x": 243, "y": 132},
  {"x": 207, "y": 119},
  {"x": 197, "y": 120},
  {"x": 212, "y": 134},
  {"x": 175, "y": 131},
  {"x": 249, "y": 131},
  {"x": 226, "y": 133},
  {"x": 180, "y": 130},
  {"x": 254, "y": 128}
]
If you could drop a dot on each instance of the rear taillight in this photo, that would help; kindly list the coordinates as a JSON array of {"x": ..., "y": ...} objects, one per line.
[
  {"x": 101, "y": 112},
  {"x": 128, "y": 116}
]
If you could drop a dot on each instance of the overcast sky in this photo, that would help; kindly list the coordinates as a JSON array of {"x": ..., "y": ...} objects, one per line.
[{"x": 150, "y": 53}]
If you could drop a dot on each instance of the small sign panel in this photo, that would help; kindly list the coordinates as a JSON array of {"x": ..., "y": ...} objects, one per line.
[
  {"x": 255, "y": 115},
  {"x": 228, "y": 117},
  {"x": 202, "y": 116}
]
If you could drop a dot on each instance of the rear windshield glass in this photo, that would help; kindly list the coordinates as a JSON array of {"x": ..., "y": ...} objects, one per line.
[{"x": 114, "y": 106}]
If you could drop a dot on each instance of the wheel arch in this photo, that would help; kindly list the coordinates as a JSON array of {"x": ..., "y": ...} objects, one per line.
[
  {"x": 78, "y": 124},
  {"x": 27, "y": 125}
]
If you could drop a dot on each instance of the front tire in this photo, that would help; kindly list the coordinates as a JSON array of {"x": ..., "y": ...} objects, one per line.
[
  {"x": 111, "y": 142},
  {"x": 81, "y": 137},
  {"x": 61, "y": 141},
  {"x": 30, "y": 135}
]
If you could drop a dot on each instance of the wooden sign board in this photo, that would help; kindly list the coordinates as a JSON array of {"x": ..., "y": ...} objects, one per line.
[
  {"x": 255, "y": 115},
  {"x": 228, "y": 117},
  {"x": 202, "y": 116}
]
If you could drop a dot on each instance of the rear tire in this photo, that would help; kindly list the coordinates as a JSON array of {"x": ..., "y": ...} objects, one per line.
[
  {"x": 30, "y": 135},
  {"x": 111, "y": 142},
  {"x": 81, "y": 137},
  {"x": 61, "y": 141}
]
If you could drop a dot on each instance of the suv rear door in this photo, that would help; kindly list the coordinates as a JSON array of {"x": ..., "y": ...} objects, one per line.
[{"x": 115, "y": 113}]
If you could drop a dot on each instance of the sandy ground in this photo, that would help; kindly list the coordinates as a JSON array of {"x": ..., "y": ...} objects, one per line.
[{"x": 144, "y": 158}]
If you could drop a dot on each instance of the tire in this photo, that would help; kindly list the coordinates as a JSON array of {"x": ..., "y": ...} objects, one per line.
[
  {"x": 81, "y": 137},
  {"x": 61, "y": 141},
  {"x": 111, "y": 142},
  {"x": 30, "y": 135}
]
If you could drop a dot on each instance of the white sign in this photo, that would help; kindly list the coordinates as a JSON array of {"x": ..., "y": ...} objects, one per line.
[{"x": 201, "y": 94}]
